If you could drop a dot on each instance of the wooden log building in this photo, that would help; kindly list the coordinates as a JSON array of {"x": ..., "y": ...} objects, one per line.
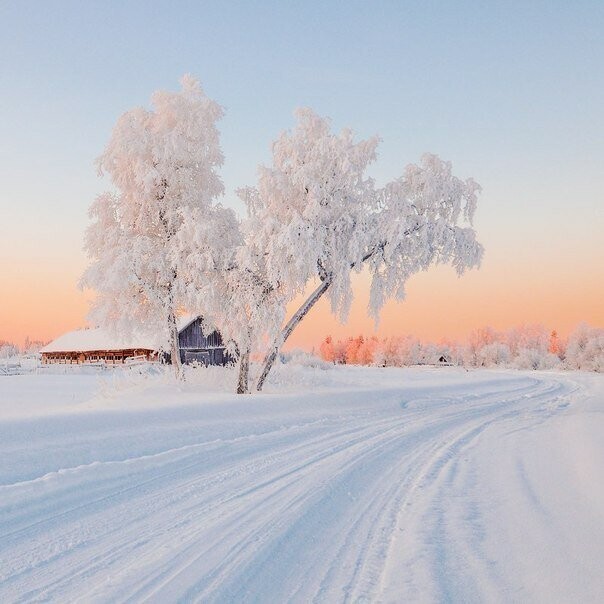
[
  {"x": 97, "y": 346},
  {"x": 197, "y": 347}
]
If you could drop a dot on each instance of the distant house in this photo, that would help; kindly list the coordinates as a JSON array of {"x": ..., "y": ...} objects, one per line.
[
  {"x": 445, "y": 359},
  {"x": 98, "y": 346}
]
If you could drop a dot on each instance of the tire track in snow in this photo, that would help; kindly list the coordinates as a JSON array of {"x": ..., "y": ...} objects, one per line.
[
  {"x": 190, "y": 595},
  {"x": 332, "y": 442},
  {"x": 420, "y": 469},
  {"x": 436, "y": 481},
  {"x": 184, "y": 531},
  {"x": 229, "y": 595}
]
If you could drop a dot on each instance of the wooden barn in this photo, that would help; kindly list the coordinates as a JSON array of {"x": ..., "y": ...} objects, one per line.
[
  {"x": 197, "y": 347},
  {"x": 96, "y": 346}
]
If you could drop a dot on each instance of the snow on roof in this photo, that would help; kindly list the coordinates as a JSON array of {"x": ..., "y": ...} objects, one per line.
[
  {"x": 97, "y": 338},
  {"x": 184, "y": 321},
  {"x": 87, "y": 340}
]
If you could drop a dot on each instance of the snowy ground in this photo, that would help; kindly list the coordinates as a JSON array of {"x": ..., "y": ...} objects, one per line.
[{"x": 356, "y": 484}]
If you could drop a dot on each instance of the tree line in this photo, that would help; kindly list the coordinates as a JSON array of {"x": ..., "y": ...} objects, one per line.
[
  {"x": 524, "y": 347},
  {"x": 11, "y": 349}
]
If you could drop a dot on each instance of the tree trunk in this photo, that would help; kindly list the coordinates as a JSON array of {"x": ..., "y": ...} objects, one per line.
[
  {"x": 270, "y": 358},
  {"x": 244, "y": 372},
  {"x": 174, "y": 347}
]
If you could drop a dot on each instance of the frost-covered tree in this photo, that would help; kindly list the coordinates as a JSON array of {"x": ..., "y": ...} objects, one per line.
[
  {"x": 319, "y": 218},
  {"x": 163, "y": 163},
  {"x": 386, "y": 353},
  {"x": 528, "y": 337},
  {"x": 226, "y": 282},
  {"x": 408, "y": 351},
  {"x": 585, "y": 348},
  {"x": 535, "y": 358},
  {"x": 353, "y": 346},
  {"x": 555, "y": 346},
  {"x": 8, "y": 350},
  {"x": 493, "y": 354},
  {"x": 367, "y": 350},
  {"x": 32, "y": 346},
  {"x": 478, "y": 339},
  {"x": 327, "y": 350}
]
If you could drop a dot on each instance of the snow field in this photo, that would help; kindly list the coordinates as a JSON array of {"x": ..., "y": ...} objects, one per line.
[{"x": 359, "y": 484}]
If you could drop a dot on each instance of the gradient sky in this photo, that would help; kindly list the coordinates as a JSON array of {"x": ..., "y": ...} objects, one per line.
[{"x": 511, "y": 93}]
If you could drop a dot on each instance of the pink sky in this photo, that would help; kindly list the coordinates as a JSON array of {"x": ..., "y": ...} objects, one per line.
[
  {"x": 540, "y": 267},
  {"x": 512, "y": 98},
  {"x": 45, "y": 302}
]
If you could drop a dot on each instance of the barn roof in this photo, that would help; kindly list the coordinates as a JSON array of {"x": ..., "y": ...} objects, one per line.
[
  {"x": 97, "y": 338},
  {"x": 186, "y": 320},
  {"x": 87, "y": 340}
]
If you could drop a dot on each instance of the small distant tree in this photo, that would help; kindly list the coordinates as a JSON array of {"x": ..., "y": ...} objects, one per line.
[
  {"x": 478, "y": 339},
  {"x": 339, "y": 350},
  {"x": 8, "y": 350},
  {"x": 408, "y": 350},
  {"x": 33, "y": 346},
  {"x": 163, "y": 165},
  {"x": 395, "y": 351},
  {"x": 555, "y": 347},
  {"x": 379, "y": 354},
  {"x": 366, "y": 352},
  {"x": 352, "y": 350},
  {"x": 493, "y": 354},
  {"x": 327, "y": 350},
  {"x": 320, "y": 218}
]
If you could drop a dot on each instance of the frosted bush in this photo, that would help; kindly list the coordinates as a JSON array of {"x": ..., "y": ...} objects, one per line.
[
  {"x": 532, "y": 358},
  {"x": 304, "y": 359}
]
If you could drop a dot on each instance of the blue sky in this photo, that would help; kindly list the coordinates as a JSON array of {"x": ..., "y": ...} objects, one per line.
[
  {"x": 463, "y": 79},
  {"x": 512, "y": 93}
]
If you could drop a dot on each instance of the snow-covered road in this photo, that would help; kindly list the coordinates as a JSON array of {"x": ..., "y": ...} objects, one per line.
[{"x": 371, "y": 485}]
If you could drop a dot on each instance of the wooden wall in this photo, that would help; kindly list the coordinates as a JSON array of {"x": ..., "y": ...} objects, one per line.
[
  {"x": 192, "y": 337},
  {"x": 108, "y": 357},
  {"x": 195, "y": 345}
]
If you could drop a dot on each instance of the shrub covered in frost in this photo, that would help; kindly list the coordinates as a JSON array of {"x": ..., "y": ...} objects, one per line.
[
  {"x": 585, "y": 349},
  {"x": 304, "y": 359}
]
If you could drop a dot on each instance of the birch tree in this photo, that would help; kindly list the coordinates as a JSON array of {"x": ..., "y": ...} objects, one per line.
[
  {"x": 163, "y": 164},
  {"x": 320, "y": 218},
  {"x": 226, "y": 283}
]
